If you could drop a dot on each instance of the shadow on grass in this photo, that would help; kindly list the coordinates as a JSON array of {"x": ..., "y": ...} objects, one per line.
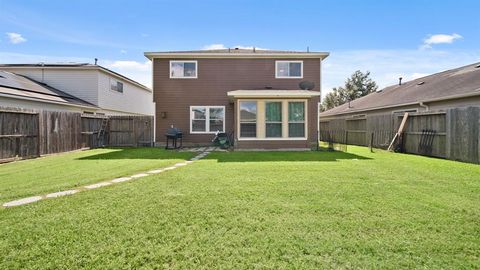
[
  {"x": 283, "y": 156},
  {"x": 139, "y": 153}
]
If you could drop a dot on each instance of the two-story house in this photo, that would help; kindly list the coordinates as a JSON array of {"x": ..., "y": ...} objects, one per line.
[
  {"x": 110, "y": 92},
  {"x": 253, "y": 94}
]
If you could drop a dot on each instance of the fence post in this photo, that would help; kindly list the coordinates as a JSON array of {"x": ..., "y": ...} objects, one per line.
[
  {"x": 39, "y": 139},
  {"x": 346, "y": 140},
  {"x": 448, "y": 135},
  {"x": 371, "y": 142}
]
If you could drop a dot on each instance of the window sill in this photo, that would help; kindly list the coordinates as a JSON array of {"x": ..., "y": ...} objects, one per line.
[
  {"x": 203, "y": 132},
  {"x": 183, "y": 77},
  {"x": 288, "y": 77},
  {"x": 272, "y": 139}
]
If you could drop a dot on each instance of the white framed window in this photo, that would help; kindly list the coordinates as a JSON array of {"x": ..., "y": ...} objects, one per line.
[
  {"x": 183, "y": 69},
  {"x": 288, "y": 69},
  {"x": 116, "y": 85},
  {"x": 273, "y": 119},
  {"x": 248, "y": 119},
  {"x": 296, "y": 119},
  {"x": 207, "y": 119}
]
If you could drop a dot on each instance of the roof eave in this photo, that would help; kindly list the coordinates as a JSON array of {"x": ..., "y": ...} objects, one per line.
[
  {"x": 153, "y": 55},
  {"x": 272, "y": 94},
  {"x": 405, "y": 104},
  {"x": 48, "y": 101}
]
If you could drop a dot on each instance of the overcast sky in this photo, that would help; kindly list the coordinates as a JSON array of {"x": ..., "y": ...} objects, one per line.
[{"x": 405, "y": 39}]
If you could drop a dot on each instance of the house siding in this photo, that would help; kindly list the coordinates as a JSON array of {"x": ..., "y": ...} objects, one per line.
[
  {"x": 215, "y": 78},
  {"x": 133, "y": 100},
  {"x": 79, "y": 83}
]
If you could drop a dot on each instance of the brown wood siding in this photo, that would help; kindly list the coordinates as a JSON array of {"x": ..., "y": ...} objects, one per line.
[{"x": 215, "y": 78}]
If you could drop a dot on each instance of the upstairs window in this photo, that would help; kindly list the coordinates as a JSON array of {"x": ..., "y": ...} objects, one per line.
[
  {"x": 116, "y": 86},
  {"x": 183, "y": 69},
  {"x": 288, "y": 69}
]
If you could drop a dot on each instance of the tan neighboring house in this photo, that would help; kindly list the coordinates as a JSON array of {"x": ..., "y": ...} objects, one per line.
[
  {"x": 252, "y": 94},
  {"x": 109, "y": 92},
  {"x": 453, "y": 88}
]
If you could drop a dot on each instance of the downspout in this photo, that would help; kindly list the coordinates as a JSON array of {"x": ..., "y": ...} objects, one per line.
[
  {"x": 318, "y": 126},
  {"x": 424, "y": 106}
]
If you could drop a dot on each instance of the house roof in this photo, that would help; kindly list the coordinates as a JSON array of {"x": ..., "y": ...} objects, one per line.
[
  {"x": 18, "y": 86},
  {"x": 272, "y": 94},
  {"x": 76, "y": 66},
  {"x": 236, "y": 53},
  {"x": 451, "y": 84}
]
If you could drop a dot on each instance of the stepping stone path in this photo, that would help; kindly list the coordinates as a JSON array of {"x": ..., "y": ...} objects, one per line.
[{"x": 205, "y": 151}]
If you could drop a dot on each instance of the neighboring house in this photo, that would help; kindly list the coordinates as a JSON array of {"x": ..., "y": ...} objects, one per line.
[
  {"x": 112, "y": 93},
  {"x": 253, "y": 94},
  {"x": 454, "y": 88},
  {"x": 17, "y": 91}
]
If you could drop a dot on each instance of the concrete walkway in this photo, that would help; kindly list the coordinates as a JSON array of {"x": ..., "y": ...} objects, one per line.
[{"x": 102, "y": 184}]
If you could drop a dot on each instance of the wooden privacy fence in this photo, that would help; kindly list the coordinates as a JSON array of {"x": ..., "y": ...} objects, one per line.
[
  {"x": 27, "y": 134},
  {"x": 452, "y": 134}
]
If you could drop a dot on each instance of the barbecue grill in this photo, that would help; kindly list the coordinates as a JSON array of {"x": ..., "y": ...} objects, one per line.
[{"x": 174, "y": 134}]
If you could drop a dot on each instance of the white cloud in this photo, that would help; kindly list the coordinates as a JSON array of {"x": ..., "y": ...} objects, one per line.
[
  {"x": 220, "y": 46},
  {"x": 214, "y": 47},
  {"x": 439, "y": 39},
  {"x": 15, "y": 38},
  {"x": 138, "y": 71},
  {"x": 386, "y": 66},
  {"x": 417, "y": 75},
  {"x": 123, "y": 51}
]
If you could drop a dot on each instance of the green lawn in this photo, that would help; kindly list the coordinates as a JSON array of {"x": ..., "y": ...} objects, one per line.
[
  {"x": 55, "y": 173},
  {"x": 263, "y": 210}
]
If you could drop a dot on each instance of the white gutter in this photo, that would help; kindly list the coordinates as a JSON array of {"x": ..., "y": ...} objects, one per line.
[
  {"x": 423, "y": 105},
  {"x": 272, "y": 94}
]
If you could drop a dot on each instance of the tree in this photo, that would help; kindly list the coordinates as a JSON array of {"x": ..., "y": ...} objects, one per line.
[{"x": 358, "y": 85}]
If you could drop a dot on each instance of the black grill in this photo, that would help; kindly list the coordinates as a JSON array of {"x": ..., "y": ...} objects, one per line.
[{"x": 174, "y": 134}]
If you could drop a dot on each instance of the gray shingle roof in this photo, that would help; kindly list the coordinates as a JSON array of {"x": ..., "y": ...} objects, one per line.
[
  {"x": 450, "y": 83},
  {"x": 21, "y": 86}
]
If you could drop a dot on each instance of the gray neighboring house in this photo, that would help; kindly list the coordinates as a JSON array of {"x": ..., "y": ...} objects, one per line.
[
  {"x": 453, "y": 88},
  {"x": 17, "y": 91},
  {"x": 111, "y": 92}
]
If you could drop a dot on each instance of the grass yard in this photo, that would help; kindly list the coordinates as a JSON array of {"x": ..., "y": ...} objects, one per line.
[
  {"x": 263, "y": 210},
  {"x": 59, "y": 172}
]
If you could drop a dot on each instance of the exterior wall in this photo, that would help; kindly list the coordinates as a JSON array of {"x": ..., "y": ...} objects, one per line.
[
  {"x": 37, "y": 105},
  {"x": 456, "y": 103},
  {"x": 133, "y": 100},
  {"x": 215, "y": 78},
  {"x": 77, "y": 82}
]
